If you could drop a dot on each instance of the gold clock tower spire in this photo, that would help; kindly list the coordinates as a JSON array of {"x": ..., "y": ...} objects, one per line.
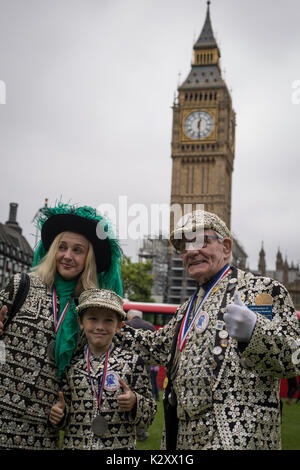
[{"x": 203, "y": 132}]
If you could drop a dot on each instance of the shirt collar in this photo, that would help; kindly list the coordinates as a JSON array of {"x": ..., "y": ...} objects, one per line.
[{"x": 210, "y": 282}]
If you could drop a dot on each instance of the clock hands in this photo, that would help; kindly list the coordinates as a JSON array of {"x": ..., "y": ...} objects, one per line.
[{"x": 199, "y": 127}]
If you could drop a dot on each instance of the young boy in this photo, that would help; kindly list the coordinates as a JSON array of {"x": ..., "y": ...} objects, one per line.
[{"x": 106, "y": 392}]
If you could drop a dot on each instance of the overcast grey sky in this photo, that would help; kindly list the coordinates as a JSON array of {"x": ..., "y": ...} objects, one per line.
[{"x": 89, "y": 90}]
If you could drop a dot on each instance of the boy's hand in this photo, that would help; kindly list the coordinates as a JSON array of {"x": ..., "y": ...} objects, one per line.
[
  {"x": 127, "y": 400},
  {"x": 3, "y": 312},
  {"x": 58, "y": 410}
]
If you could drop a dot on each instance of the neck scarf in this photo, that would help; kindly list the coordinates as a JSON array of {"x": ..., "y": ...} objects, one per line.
[{"x": 67, "y": 335}]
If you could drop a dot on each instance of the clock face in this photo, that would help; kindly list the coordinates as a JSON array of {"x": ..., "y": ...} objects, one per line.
[{"x": 198, "y": 125}]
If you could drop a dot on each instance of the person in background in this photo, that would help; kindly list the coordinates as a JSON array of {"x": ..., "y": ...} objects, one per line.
[
  {"x": 153, "y": 376},
  {"x": 293, "y": 389},
  {"x": 293, "y": 385},
  {"x": 135, "y": 320}
]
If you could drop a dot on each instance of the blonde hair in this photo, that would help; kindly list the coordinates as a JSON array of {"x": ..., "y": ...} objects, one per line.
[{"x": 46, "y": 269}]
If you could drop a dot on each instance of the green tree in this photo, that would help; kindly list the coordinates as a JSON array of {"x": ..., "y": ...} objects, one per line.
[{"x": 137, "y": 280}]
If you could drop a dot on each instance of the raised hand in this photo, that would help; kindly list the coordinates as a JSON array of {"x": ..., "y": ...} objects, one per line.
[
  {"x": 58, "y": 410},
  {"x": 127, "y": 400},
  {"x": 239, "y": 319}
]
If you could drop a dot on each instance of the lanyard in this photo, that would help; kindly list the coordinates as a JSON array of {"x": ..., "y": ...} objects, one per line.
[
  {"x": 185, "y": 326},
  {"x": 57, "y": 322},
  {"x": 99, "y": 394}
]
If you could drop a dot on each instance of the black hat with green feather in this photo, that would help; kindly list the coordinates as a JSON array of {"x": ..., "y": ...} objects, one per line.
[{"x": 96, "y": 228}]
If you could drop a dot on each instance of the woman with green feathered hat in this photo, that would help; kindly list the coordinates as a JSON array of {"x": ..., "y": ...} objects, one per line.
[{"x": 77, "y": 251}]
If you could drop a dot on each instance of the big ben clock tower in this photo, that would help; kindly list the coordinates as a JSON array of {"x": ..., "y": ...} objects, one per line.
[
  {"x": 203, "y": 139},
  {"x": 203, "y": 132}
]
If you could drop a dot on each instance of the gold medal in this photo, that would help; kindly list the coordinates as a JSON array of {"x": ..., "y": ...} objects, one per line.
[
  {"x": 263, "y": 299},
  {"x": 99, "y": 426}
]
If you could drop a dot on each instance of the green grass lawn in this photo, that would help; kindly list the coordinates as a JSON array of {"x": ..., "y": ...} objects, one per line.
[
  {"x": 290, "y": 429},
  {"x": 155, "y": 430}
]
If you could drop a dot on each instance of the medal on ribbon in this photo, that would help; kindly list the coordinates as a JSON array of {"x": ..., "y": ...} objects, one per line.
[
  {"x": 99, "y": 424},
  {"x": 57, "y": 323}
]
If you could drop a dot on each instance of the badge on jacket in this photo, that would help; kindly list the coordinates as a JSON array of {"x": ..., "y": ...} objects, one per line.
[
  {"x": 201, "y": 322},
  {"x": 111, "y": 381},
  {"x": 263, "y": 305}
]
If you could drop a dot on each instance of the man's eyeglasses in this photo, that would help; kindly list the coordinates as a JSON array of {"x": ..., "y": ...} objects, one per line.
[{"x": 182, "y": 246}]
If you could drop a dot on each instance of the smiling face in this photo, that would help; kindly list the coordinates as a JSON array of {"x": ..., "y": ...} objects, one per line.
[
  {"x": 204, "y": 263},
  {"x": 71, "y": 255},
  {"x": 99, "y": 325}
]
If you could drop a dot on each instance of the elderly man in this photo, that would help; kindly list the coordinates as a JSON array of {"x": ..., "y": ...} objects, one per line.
[
  {"x": 135, "y": 320},
  {"x": 225, "y": 349}
]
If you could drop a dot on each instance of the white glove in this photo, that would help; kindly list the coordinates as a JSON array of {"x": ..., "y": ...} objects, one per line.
[{"x": 240, "y": 320}]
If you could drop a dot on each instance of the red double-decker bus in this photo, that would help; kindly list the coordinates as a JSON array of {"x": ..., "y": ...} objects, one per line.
[{"x": 157, "y": 314}]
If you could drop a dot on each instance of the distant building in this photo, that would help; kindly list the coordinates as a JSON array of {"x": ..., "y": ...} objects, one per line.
[
  {"x": 287, "y": 274},
  {"x": 203, "y": 153},
  {"x": 180, "y": 286},
  {"x": 239, "y": 256},
  {"x": 16, "y": 254},
  {"x": 156, "y": 251},
  {"x": 202, "y": 150}
]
